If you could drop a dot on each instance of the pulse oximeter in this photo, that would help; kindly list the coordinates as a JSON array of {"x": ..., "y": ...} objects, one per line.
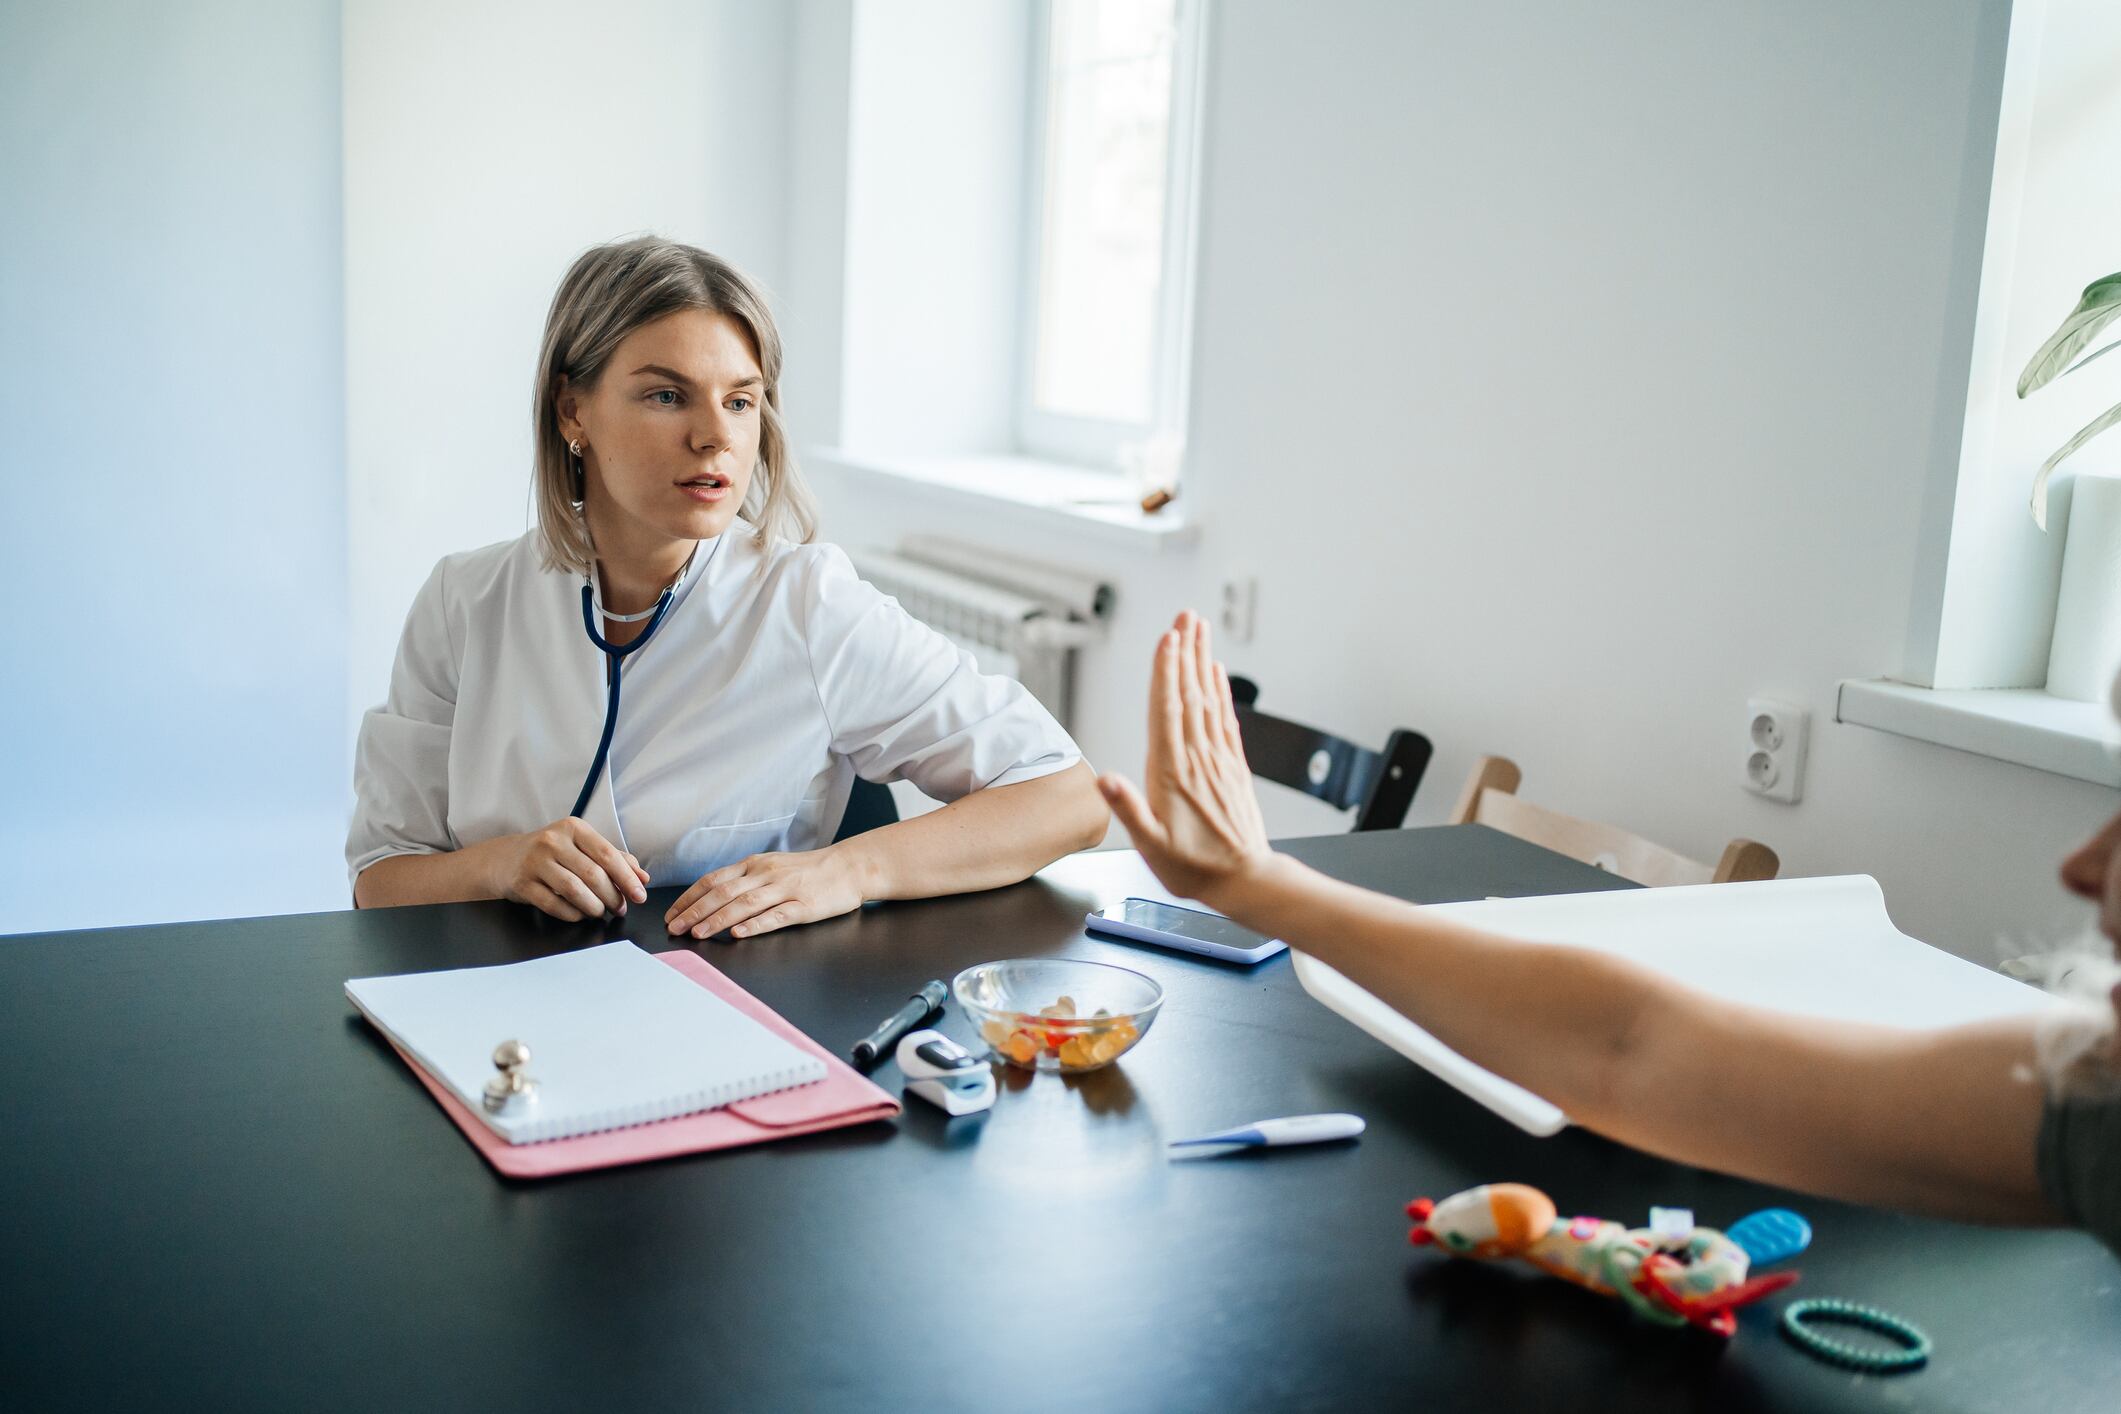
[{"x": 945, "y": 1074}]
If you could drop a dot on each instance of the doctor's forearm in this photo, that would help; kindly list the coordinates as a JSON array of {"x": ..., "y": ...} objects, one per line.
[
  {"x": 984, "y": 840},
  {"x": 452, "y": 876}
]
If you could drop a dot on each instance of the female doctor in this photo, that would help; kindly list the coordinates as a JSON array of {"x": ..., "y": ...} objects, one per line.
[{"x": 669, "y": 656}]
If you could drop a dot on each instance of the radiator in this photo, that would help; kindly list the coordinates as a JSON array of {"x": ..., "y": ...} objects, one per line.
[{"x": 1017, "y": 619}]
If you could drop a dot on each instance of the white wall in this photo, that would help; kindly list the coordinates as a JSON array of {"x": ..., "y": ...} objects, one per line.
[
  {"x": 172, "y": 738},
  {"x": 488, "y": 144},
  {"x": 820, "y": 130},
  {"x": 1568, "y": 374}
]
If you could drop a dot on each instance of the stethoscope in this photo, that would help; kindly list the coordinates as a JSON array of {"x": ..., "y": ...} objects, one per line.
[{"x": 613, "y": 653}]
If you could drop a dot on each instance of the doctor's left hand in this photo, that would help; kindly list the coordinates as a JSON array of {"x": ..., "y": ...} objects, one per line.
[{"x": 768, "y": 891}]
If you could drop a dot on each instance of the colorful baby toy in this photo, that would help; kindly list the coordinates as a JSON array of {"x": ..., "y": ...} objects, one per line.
[{"x": 1672, "y": 1272}]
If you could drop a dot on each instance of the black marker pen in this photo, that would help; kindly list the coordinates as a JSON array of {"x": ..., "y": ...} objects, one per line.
[{"x": 924, "y": 1003}]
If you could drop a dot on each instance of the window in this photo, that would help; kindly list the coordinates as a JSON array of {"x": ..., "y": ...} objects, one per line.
[
  {"x": 1987, "y": 607},
  {"x": 1108, "y": 277},
  {"x": 1982, "y": 673}
]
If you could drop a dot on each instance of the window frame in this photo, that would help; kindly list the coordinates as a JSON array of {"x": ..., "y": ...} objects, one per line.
[
  {"x": 1987, "y": 584},
  {"x": 1098, "y": 443}
]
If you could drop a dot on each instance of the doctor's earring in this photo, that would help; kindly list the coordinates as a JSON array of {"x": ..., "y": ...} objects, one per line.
[{"x": 574, "y": 449}]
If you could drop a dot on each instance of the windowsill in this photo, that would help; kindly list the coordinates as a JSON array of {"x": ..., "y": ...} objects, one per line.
[
  {"x": 2018, "y": 724},
  {"x": 1052, "y": 495}
]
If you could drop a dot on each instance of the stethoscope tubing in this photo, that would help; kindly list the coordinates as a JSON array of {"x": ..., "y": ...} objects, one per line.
[{"x": 613, "y": 653}]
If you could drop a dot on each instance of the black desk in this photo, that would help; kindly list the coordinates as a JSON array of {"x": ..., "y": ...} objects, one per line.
[{"x": 221, "y": 1191}]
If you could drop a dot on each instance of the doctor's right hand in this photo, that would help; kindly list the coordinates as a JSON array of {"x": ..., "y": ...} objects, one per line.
[{"x": 567, "y": 870}]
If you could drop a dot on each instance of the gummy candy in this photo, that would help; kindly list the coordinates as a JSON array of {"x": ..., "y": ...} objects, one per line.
[{"x": 1078, "y": 1043}]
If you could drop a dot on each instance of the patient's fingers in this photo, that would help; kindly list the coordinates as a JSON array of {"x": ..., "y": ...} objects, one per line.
[
  {"x": 1166, "y": 724},
  {"x": 1132, "y": 810},
  {"x": 2110, "y": 905},
  {"x": 1225, "y": 714},
  {"x": 1210, "y": 674},
  {"x": 1192, "y": 690}
]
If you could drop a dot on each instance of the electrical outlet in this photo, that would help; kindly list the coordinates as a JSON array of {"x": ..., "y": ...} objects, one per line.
[
  {"x": 1240, "y": 607},
  {"x": 1775, "y": 737}
]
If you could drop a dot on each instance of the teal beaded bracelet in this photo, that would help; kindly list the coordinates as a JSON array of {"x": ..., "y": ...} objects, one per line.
[{"x": 1916, "y": 1354}]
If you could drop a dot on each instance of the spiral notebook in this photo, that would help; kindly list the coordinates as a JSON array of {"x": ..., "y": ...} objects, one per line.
[{"x": 616, "y": 1039}]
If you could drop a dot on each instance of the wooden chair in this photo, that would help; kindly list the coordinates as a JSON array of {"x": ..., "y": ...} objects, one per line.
[
  {"x": 1377, "y": 785},
  {"x": 1490, "y": 799}
]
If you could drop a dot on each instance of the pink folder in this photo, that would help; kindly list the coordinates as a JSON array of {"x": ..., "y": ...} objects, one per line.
[{"x": 843, "y": 1097}]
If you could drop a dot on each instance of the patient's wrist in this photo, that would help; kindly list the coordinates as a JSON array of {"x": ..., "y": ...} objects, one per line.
[{"x": 1256, "y": 886}]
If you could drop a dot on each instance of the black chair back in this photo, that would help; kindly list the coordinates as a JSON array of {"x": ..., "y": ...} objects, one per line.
[
  {"x": 1377, "y": 785},
  {"x": 869, "y": 806}
]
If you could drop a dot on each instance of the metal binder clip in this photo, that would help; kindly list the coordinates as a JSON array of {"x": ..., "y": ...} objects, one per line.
[{"x": 510, "y": 1058}]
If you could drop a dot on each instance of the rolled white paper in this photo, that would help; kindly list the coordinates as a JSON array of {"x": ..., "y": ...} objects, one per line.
[{"x": 2087, "y": 646}]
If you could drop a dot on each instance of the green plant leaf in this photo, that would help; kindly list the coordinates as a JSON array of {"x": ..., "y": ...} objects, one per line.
[
  {"x": 2090, "y": 430},
  {"x": 2116, "y": 344},
  {"x": 2099, "y": 307}
]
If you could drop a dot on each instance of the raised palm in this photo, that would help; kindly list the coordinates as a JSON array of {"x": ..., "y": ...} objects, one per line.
[{"x": 1195, "y": 820}]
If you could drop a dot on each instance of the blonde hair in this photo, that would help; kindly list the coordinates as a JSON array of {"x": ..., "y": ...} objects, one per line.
[{"x": 609, "y": 292}]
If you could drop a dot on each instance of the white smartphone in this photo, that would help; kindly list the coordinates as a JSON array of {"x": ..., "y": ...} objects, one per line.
[{"x": 1141, "y": 920}]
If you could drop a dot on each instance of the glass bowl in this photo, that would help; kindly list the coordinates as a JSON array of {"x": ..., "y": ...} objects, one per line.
[{"x": 1054, "y": 1013}]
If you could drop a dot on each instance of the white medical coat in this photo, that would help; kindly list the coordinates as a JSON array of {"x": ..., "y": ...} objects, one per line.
[{"x": 776, "y": 676}]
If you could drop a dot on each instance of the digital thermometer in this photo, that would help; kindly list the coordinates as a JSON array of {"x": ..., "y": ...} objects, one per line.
[{"x": 1273, "y": 1133}]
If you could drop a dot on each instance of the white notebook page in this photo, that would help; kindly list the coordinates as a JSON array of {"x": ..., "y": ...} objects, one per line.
[{"x": 616, "y": 1038}]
